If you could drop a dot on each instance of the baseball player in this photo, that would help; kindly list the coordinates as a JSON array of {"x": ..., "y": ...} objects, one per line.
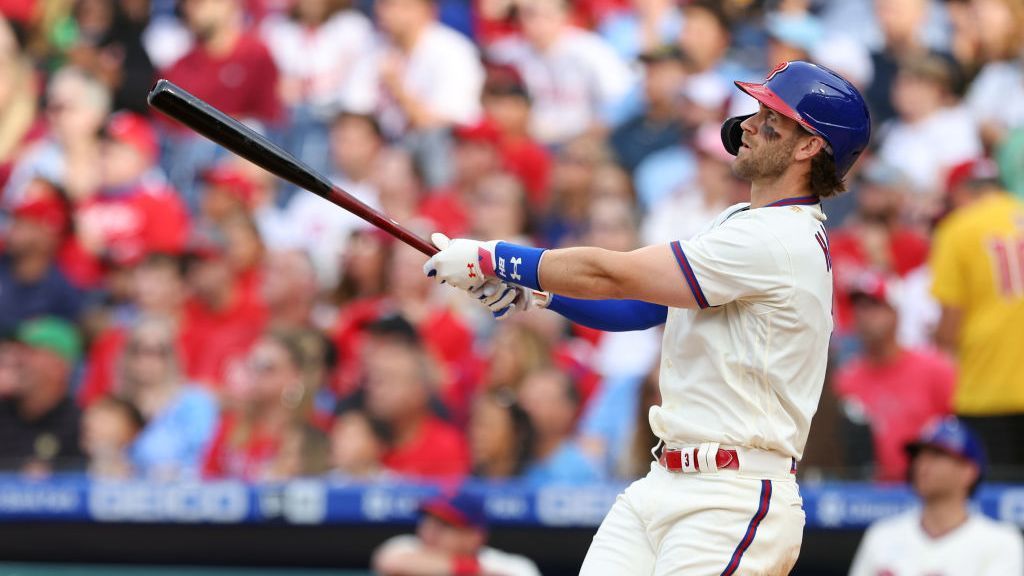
[
  {"x": 747, "y": 308},
  {"x": 942, "y": 537}
]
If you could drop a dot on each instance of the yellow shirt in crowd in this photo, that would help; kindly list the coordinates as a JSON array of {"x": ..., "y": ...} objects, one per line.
[{"x": 977, "y": 265}]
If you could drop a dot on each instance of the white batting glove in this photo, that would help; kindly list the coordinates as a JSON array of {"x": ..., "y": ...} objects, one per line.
[
  {"x": 503, "y": 299},
  {"x": 461, "y": 262}
]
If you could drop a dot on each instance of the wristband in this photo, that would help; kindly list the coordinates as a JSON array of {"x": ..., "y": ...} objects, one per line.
[
  {"x": 518, "y": 264},
  {"x": 465, "y": 566}
]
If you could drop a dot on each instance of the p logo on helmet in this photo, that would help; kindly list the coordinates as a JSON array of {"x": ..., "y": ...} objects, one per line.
[{"x": 820, "y": 100}]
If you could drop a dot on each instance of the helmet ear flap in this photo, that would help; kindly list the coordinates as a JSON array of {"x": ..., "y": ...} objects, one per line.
[{"x": 732, "y": 134}]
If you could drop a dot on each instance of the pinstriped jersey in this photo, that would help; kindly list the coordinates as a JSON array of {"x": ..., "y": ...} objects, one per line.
[{"x": 747, "y": 367}]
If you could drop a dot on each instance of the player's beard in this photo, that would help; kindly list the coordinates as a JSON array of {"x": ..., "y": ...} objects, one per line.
[{"x": 766, "y": 162}]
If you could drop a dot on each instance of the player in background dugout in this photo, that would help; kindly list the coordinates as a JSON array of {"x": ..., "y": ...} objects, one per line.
[
  {"x": 977, "y": 264},
  {"x": 943, "y": 536}
]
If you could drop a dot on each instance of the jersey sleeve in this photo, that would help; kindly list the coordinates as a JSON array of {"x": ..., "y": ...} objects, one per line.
[
  {"x": 738, "y": 260},
  {"x": 949, "y": 283}
]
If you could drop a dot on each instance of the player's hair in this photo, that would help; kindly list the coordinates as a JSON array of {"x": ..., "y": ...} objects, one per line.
[{"x": 825, "y": 183}]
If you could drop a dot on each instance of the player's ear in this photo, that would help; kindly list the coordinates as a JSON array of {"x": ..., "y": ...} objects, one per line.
[{"x": 808, "y": 147}]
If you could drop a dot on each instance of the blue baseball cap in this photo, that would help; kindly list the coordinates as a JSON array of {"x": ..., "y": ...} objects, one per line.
[
  {"x": 462, "y": 509},
  {"x": 952, "y": 436}
]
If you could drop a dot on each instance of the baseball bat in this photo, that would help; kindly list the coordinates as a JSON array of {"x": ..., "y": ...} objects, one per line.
[{"x": 178, "y": 103}]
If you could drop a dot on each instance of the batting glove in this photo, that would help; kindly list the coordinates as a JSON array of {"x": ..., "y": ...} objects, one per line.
[
  {"x": 502, "y": 299},
  {"x": 461, "y": 262}
]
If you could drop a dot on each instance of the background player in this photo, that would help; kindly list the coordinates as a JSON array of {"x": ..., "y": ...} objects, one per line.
[
  {"x": 748, "y": 311},
  {"x": 943, "y": 536}
]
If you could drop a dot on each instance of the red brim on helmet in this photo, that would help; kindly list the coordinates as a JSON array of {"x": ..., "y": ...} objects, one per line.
[{"x": 764, "y": 95}]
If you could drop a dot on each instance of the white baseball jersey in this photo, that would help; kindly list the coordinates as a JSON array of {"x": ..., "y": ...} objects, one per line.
[
  {"x": 898, "y": 546},
  {"x": 492, "y": 562},
  {"x": 747, "y": 368}
]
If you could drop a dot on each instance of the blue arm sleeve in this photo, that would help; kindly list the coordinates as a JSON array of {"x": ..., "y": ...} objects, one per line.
[{"x": 610, "y": 315}]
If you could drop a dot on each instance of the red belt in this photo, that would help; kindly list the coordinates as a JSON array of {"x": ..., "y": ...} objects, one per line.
[{"x": 686, "y": 460}]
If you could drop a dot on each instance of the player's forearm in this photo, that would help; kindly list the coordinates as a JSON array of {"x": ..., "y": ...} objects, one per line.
[{"x": 585, "y": 272}]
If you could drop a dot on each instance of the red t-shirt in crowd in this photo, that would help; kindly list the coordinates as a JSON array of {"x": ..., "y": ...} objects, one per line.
[
  {"x": 240, "y": 83},
  {"x": 214, "y": 339},
  {"x": 907, "y": 251},
  {"x": 447, "y": 211},
  {"x": 899, "y": 399},
  {"x": 128, "y": 225},
  {"x": 531, "y": 164},
  {"x": 438, "y": 450},
  {"x": 248, "y": 460}
]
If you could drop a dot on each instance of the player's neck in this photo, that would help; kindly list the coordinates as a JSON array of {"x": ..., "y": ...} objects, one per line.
[
  {"x": 940, "y": 517},
  {"x": 765, "y": 192}
]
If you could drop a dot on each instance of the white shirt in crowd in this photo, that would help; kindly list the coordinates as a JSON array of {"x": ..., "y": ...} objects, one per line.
[
  {"x": 572, "y": 84},
  {"x": 443, "y": 73},
  {"x": 491, "y": 561},
  {"x": 683, "y": 214},
  {"x": 324, "y": 58},
  {"x": 899, "y": 546},
  {"x": 926, "y": 150},
  {"x": 323, "y": 230},
  {"x": 748, "y": 368},
  {"x": 997, "y": 94}
]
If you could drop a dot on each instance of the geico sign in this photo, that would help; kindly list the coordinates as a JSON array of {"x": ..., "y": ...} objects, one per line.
[
  {"x": 573, "y": 506},
  {"x": 210, "y": 502}
]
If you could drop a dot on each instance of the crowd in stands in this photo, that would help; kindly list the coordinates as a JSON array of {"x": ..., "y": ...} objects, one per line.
[{"x": 170, "y": 311}]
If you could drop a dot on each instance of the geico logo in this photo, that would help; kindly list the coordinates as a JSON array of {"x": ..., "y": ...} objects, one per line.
[{"x": 215, "y": 502}]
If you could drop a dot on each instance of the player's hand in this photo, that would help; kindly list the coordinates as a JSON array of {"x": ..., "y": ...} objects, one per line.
[
  {"x": 463, "y": 263},
  {"x": 503, "y": 299}
]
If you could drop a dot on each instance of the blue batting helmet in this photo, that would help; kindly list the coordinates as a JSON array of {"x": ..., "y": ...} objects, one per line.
[
  {"x": 952, "y": 436},
  {"x": 819, "y": 100}
]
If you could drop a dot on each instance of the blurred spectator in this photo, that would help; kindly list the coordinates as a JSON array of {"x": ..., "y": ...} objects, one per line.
[
  {"x": 943, "y": 535},
  {"x": 875, "y": 237},
  {"x": 574, "y": 77},
  {"x": 516, "y": 350},
  {"x": 226, "y": 192},
  {"x": 792, "y": 35},
  {"x": 399, "y": 383},
  {"x": 10, "y": 367},
  {"x": 264, "y": 402},
  {"x": 705, "y": 40},
  {"x": 573, "y": 180},
  {"x": 902, "y": 23},
  {"x": 358, "y": 445},
  {"x": 245, "y": 254},
  {"x": 321, "y": 228},
  {"x": 979, "y": 281},
  {"x": 552, "y": 401},
  {"x": 305, "y": 451},
  {"x": 897, "y": 389},
  {"x": 996, "y": 96},
  {"x": 499, "y": 209},
  {"x": 158, "y": 290},
  {"x": 109, "y": 426},
  {"x": 685, "y": 212},
  {"x": 32, "y": 283},
  {"x": 398, "y": 184},
  {"x": 316, "y": 47},
  {"x": 18, "y": 100},
  {"x": 39, "y": 423},
  {"x": 289, "y": 289},
  {"x": 424, "y": 79},
  {"x": 135, "y": 211},
  {"x": 933, "y": 132},
  {"x": 68, "y": 155},
  {"x": 507, "y": 102},
  {"x": 364, "y": 267},
  {"x": 659, "y": 125},
  {"x": 634, "y": 456},
  {"x": 501, "y": 436},
  {"x": 645, "y": 26},
  {"x": 450, "y": 539},
  {"x": 108, "y": 43},
  {"x": 229, "y": 67},
  {"x": 180, "y": 417},
  {"x": 475, "y": 157}
]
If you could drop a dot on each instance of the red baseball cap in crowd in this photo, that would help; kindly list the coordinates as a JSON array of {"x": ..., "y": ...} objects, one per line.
[
  {"x": 134, "y": 130},
  {"x": 486, "y": 131},
  {"x": 974, "y": 171},
  {"x": 45, "y": 210},
  {"x": 872, "y": 286},
  {"x": 463, "y": 510},
  {"x": 232, "y": 180}
]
